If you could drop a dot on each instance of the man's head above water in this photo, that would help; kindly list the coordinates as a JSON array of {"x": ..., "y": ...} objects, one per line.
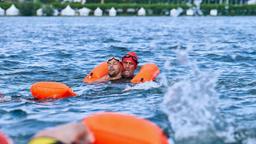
[
  {"x": 114, "y": 67},
  {"x": 130, "y": 62}
]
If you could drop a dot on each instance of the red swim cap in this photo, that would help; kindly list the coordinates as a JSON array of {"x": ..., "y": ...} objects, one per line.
[{"x": 131, "y": 56}]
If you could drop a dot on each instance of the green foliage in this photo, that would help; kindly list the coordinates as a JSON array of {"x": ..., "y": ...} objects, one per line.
[
  {"x": 59, "y": 5},
  {"x": 5, "y": 5},
  {"x": 231, "y": 10},
  {"x": 48, "y": 1},
  {"x": 76, "y": 5},
  {"x": 213, "y": 6},
  {"x": 28, "y": 8},
  {"x": 158, "y": 7},
  {"x": 48, "y": 10},
  {"x": 135, "y": 1}
]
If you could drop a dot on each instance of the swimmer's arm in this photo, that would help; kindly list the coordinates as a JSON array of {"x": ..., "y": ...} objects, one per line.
[
  {"x": 103, "y": 79},
  {"x": 75, "y": 133}
]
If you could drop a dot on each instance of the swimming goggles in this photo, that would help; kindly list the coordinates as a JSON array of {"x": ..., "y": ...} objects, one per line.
[
  {"x": 113, "y": 58},
  {"x": 130, "y": 56}
]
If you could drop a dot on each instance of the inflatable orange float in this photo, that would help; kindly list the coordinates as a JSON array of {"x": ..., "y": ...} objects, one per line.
[
  {"x": 98, "y": 72},
  {"x": 148, "y": 72},
  {"x": 116, "y": 128},
  {"x": 51, "y": 90}
]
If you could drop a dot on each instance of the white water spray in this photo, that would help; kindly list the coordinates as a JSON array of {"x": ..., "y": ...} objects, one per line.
[
  {"x": 192, "y": 105},
  {"x": 142, "y": 86}
]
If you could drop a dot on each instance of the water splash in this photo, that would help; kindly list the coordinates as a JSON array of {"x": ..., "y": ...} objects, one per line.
[
  {"x": 192, "y": 106},
  {"x": 250, "y": 141},
  {"x": 143, "y": 86}
]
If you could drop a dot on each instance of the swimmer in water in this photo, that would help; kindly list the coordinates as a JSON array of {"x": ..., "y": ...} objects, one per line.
[
  {"x": 130, "y": 63},
  {"x": 71, "y": 133},
  {"x": 115, "y": 69}
]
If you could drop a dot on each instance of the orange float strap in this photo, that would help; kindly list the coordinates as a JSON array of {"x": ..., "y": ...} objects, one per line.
[
  {"x": 3, "y": 139},
  {"x": 116, "y": 128},
  {"x": 148, "y": 72},
  {"x": 98, "y": 72},
  {"x": 51, "y": 90}
]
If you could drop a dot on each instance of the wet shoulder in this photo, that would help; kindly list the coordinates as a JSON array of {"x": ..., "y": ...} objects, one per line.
[{"x": 122, "y": 80}]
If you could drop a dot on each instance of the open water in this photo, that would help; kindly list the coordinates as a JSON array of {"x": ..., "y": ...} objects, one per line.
[{"x": 205, "y": 94}]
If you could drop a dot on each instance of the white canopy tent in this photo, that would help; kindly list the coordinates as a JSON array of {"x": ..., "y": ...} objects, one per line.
[
  {"x": 189, "y": 12},
  {"x": 173, "y": 12},
  {"x": 84, "y": 11},
  {"x": 98, "y": 12},
  {"x": 112, "y": 12},
  {"x": 12, "y": 11},
  {"x": 213, "y": 12},
  {"x": 39, "y": 12},
  {"x": 176, "y": 12},
  {"x": 68, "y": 11},
  {"x": 141, "y": 12}
]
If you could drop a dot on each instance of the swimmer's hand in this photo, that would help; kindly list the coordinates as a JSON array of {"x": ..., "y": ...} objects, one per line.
[{"x": 72, "y": 133}]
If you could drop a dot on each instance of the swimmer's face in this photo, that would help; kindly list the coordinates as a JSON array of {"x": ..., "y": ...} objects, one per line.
[
  {"x": 114, "y": 68},
  {"x": 129, "y": 68}
]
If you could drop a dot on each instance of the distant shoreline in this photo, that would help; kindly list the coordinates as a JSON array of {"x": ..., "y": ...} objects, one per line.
[{"x": 131, "y": 9}]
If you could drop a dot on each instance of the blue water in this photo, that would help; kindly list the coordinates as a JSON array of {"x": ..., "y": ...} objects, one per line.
[{"x": 206, "y": 92}]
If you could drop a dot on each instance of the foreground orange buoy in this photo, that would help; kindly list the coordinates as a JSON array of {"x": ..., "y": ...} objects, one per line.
[
  {"x": 52, "y": 90},
  {"x": 3, "y": 139},
  {"x": 98, "y": 72},
  {"x": 148, "y": 72},
  {"x": 115, "y": 128}
]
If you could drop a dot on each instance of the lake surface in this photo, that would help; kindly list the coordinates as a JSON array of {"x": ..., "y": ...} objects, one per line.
[{"x": 205, "y": 94}]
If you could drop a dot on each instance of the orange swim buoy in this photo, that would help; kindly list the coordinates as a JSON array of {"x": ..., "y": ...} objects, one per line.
[
  {"x": 116, "y": 128},
  {"x": 98, "y": 72},
  {"x": 3, "y": 139},
  {"x": 51, "y": 90},
  {"x": 148, "y": 72}
]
